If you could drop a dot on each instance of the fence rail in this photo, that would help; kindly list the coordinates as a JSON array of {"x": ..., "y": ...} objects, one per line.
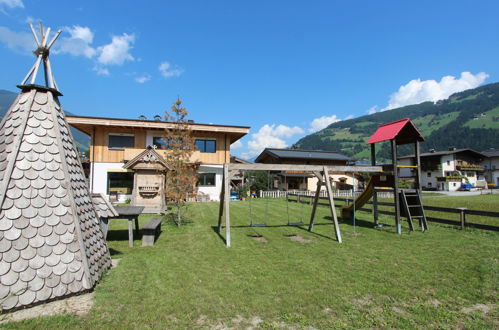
[
  {"x": 463, "y": 212},
  {"x": 323, "y": 193}
]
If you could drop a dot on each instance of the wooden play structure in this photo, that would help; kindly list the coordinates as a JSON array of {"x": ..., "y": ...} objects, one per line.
[{"x": 407, "y": 201}]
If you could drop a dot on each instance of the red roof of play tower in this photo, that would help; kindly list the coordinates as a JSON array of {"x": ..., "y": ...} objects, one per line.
[{"x": 403, "y": 131}]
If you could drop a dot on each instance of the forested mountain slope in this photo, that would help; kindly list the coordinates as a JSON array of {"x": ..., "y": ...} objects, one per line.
[{"x": 468, "y": 119}]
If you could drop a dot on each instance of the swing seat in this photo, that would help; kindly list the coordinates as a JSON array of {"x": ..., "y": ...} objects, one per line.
[
  {"x": 258, "y": 225},
  {"x": 299, "y": 223}
]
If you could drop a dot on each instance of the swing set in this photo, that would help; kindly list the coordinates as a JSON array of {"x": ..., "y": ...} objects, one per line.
[{"x": 321, "y": 172}]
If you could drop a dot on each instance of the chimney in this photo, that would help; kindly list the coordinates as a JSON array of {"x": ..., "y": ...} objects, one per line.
[
  {"x": 452, "y": 148},
  {"x": 432, "y": 150}
]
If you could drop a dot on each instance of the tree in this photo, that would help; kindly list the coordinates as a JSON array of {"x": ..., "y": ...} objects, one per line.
[{"x": 182, "y": 178}]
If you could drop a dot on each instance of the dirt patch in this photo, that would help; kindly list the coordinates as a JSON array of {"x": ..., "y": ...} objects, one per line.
[
  {"x": 299, "y": 239},
  {"x": 434, "y": 303},
  {"x": 363, "y": 301},
  {"x": 477, "y": 307},
  {"x": 115, "y": 262},
  {"x": 79, "y": 305},
  {"x": 400, "y": 311},
  {"x": 259, "y": 239}
]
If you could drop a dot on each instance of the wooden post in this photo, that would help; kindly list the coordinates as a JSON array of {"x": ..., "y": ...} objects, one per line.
[
  {"x": 314, "y": 206},
  {"x": 418, "y": 164},
  {"x": 462, "y": 216},
  {"x": 331, "y": 205},
  {"x": 375, "y": 193},
  {"x": 130, "y": 232},
  {"x": 221, "y": 208},
  {"x": 227, "y": 205},
  {"x": 396, "y": 186}
]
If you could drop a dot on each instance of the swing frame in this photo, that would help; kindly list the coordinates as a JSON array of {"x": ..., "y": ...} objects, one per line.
[{"x": 320, "y": 171}]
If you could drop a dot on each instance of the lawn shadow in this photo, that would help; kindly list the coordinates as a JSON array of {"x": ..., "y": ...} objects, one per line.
[
  {"x": 118, "y": 235},
  {"x": 114, "y": 252},
  {"x": 215, "y": 229}
]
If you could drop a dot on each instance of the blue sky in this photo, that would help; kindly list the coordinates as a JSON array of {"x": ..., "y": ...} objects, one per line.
[{"x": 285, "y": 68}]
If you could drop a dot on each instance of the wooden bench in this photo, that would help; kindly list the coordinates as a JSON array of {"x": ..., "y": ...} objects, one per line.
[{"x": 151, "y": 231}]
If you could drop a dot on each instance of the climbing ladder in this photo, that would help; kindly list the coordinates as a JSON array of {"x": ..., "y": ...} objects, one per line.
[{"x": 412, "y": 208}]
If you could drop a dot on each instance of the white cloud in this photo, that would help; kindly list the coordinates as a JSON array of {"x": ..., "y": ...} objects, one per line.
[
  {"x": 118, "y": 51},
  {"x": 101, "y": 71},
  {"x": 19, "y": 41},
  {"x": 167, "y": 71},
  {"x": 322, "y": 122},
  {"x": 11, "y": 3},
  {"x": 236, "y": 145},
  {"x": 372, "y": 110},
  {"x": 417, "y": 90},
  {"x": 270, "y": 136},
  {"x": 78, "y": 43},
  {"x": 348, "y": 117},
  {"x": 142, "y": 79}
]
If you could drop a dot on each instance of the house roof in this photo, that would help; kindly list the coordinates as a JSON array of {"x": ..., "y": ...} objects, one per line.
[
  {"x": 87, "y": 124},
  {"x": 403, "y": 131},
  {"x": 491, "y": 153},
  {"x": 301, "y": 154},
  {"x": 446, "y": 152}
]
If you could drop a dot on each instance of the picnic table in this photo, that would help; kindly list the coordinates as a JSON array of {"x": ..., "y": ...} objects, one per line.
[{"x": 130, "y": 213}]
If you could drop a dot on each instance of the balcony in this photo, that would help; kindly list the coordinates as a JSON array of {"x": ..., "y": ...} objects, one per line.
[
  {"x": 470, "y": 167},
  {"x": 449, "y": 178}
]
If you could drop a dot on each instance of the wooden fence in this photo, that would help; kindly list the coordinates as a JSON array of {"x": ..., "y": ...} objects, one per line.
[
  {"x": 462, "y": 211},
  {"x": 323, "y": 193}
]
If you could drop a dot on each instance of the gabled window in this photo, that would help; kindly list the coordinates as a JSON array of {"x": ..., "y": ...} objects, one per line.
[
  {"x": 119, "y": 141},
  {"x": 203, "y": 145}
]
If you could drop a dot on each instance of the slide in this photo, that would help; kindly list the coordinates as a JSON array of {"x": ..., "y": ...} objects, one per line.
[{"x": 346, "y": 211}]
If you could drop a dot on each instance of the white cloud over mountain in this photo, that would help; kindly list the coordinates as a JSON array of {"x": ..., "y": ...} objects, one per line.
[
  {"x": 417, "y": 90},
  {"x": 270, "y": 136},
  {"x": 322, "y": 122}
]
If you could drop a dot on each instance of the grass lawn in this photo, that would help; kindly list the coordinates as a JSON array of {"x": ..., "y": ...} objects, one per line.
[{"x": 445, "y": 278}]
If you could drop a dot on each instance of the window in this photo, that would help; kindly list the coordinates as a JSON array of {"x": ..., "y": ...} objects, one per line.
[
  {"x": 448, "y": 162},
  {"x": 454, "y": 184},
  {"x": 206, "y": 179},
  {"x": 159, "y": 142},
  {"x": 119, "y": 182},
  {"x": 429, "y": 184},
  {"x": 206, "y": 145},
  {"x": 121, "y": 141},
  {"x": 428, "y": 174}
]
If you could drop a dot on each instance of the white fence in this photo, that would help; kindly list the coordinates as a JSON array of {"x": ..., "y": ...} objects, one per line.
[{"x": 323, "y": 193}]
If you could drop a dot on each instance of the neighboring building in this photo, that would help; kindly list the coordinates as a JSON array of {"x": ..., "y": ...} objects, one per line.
[
  {"x": 298, "y": 180},
  {"x": 121, "y": 160},
  {"x": 447, "y": 170},
  {"x": 491, "y": 166}
]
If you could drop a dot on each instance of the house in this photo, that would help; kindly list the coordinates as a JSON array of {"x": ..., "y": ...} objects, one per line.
[
  {"x": 296, "y": 180},
  {"x": 491, "y": 166},
  {"x": 447, "y": 170},
  {"x": 127, "y": 157}
]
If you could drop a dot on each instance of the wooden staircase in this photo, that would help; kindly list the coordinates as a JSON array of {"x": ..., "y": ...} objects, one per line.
[{"x": 412, "y": 208}]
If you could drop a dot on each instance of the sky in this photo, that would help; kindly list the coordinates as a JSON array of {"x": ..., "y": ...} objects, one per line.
[{"x": 284, "y": 68}]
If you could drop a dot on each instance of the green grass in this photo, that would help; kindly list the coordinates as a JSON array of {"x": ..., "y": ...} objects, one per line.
[
  {"x": 431, "y": 123},
  {"x": 485, "y": 122},
  {"x": 376, "y": 278}
]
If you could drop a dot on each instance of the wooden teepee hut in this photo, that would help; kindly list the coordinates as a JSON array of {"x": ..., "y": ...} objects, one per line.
[{"x": 51, "y": 243}]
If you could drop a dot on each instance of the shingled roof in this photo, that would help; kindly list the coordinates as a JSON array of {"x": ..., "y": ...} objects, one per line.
[{"x": 51, "y": 243}]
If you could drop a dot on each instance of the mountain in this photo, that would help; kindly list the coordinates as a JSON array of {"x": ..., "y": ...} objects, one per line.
[
  {"x": 7, "y": 98},
  {"x": 469, "y": 119}
]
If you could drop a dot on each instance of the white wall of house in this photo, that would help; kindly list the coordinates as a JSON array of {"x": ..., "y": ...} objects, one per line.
[
  {"x": 212, "y": 191},
  {"x": 491, "y": 165},
  {"x": 429, "y": 179},
  {"x": 312, "y": 182},
  {"x": 448, "y": 164},
  {"x": 405, "y": 172},
  {"x": 98, "y": 178}
]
